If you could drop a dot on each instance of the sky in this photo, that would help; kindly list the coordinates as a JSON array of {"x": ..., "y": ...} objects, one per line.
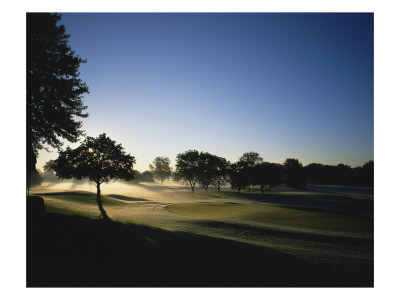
[{"x": 283, "y": 85}]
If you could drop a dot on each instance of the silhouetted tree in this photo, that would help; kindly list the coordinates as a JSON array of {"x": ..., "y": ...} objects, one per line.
[
  {"x": 174, "y": 177},
  {"x": 48, "y": 166},
  {"x": 343, "y": 174},
  {"x": 187, "y": 167},
  {"x": 34, "y": 180},
  {"x": 136, "y": 174},
  {"x": 293, "y": 172},
  {"x": 315, "y": 173},
  {"x": 340, "y": 174},
  {"x": 161, "y": 168},
  {"x": 246, "y": 165},
  {"x": 54, "y": 89},
  {"x": 250, "y": 158},
  {"x": 98, "y": 159},
  {"x": 221, "y": 173},
  {"x": 368, "y": 173},
  {"x": 207, "y": 169},
  {"x": 267, "y": 174},
  {"x": 237, "y": 176},
  {"x": 146, "y": 176}
]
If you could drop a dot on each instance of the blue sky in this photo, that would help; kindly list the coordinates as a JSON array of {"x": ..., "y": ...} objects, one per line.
[{"x": 283, "y": 85}]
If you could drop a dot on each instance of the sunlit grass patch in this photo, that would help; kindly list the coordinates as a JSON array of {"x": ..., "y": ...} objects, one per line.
[
  {"x": 82, "y": 197},
  {"x": 277, "y": 216}
]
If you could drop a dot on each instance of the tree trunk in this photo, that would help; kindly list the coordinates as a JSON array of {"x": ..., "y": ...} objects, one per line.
[
  {"x": 30, "y": 159},
  {"x": 28, "y": 181},
  {"x": 102, "y": 211}
]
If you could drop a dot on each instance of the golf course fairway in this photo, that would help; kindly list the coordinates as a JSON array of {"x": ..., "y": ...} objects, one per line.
[{"x": 275, "y": 216}]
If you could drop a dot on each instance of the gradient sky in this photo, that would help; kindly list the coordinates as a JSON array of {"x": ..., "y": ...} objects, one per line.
[{"x": 283, "y": 85}]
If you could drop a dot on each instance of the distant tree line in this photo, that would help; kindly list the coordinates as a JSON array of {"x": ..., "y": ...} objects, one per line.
[
  {"x": 205, "y": 169},
  {"x": 341, "y": 174},
  {"x": 146, "y": 177},
  {"x": 250, "y": 171}
]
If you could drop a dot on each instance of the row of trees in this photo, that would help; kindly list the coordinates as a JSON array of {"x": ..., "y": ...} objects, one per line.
[
  {"x": 54, "y": 106},
  {"x": 102, "y": 159},
  {"x": 207, "y": 170},
  {"x": 341, "y": 174},
  {"x": 210, "y": 170},
  {"x": 202, "y": 169}
]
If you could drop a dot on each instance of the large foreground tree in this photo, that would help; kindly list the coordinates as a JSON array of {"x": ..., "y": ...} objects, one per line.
[
  {"x": 54, "y": 89},
  {"x": 98, "y": 159}
]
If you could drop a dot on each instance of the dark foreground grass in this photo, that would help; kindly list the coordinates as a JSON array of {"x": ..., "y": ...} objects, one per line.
[{"x": 73, "y": 251}]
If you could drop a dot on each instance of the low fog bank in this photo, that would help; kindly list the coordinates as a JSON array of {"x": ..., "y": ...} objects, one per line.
[{"x": 150, "y": 191}]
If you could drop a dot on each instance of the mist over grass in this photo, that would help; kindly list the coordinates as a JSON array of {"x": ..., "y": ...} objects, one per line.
[{"x": 330, "y": 231}]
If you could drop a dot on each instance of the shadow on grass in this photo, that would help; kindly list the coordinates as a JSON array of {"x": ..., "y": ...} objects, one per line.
[
  {"x": 343, "y": 204},
  {"x": 126, "y": 198},
  {"x": 73, "y": 251},
  {"x": 76, "y": 193}
]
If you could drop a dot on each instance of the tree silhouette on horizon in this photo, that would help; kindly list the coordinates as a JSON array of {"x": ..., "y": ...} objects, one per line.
[
  {"x": 160, "y": 167},
  {"x": 98, "y": 159}
]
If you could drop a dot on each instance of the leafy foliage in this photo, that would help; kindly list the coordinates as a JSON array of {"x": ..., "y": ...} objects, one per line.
[
  {"x": 146, "y": 176},
  {"x": 187, "y": 167},
  {"x": 293, "y": 172},
  {"x": 341, "y": 174},
  {"x": 48, "y": 166},
  {"x": 250, "y": 159},
  {"x": 54, "y": 89},
  {"x": 237, "y": 177},
  {"x": 98, "y": 159},
  {"x": 267, "y": 174},
  {"x": 220, "y": 175},
  {"x": 161, "y": 168},
  {"x": 207, "y": 169},
  {"x": 212, "y": 170}
]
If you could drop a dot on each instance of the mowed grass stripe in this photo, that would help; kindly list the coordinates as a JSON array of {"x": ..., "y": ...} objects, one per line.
[{"x": 276, "y": 216}]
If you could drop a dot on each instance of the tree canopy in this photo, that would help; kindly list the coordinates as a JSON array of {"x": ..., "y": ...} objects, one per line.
[
  {"x": 250, "y": 158},
  {"x": 98, "y": 159},
  {"x": 187, "y": 167},
  {"x": 212, "y": 170},
  {"x": 237, "y": 176},
  {"x": 146, "y": 176},
  {"x": 293, "y": 172},
  {"x": 160, "y": 167},
  {"x": 54, "y": 89},
  {"x": 267, "y": 174}
]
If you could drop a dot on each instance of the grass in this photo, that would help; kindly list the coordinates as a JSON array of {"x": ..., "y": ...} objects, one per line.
[
  {"x": 276, "y": 216},
  {"x": 82, "y": 197},
  {"x": 73, "y": 251},
  {"x": 222, "y": 242}
]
